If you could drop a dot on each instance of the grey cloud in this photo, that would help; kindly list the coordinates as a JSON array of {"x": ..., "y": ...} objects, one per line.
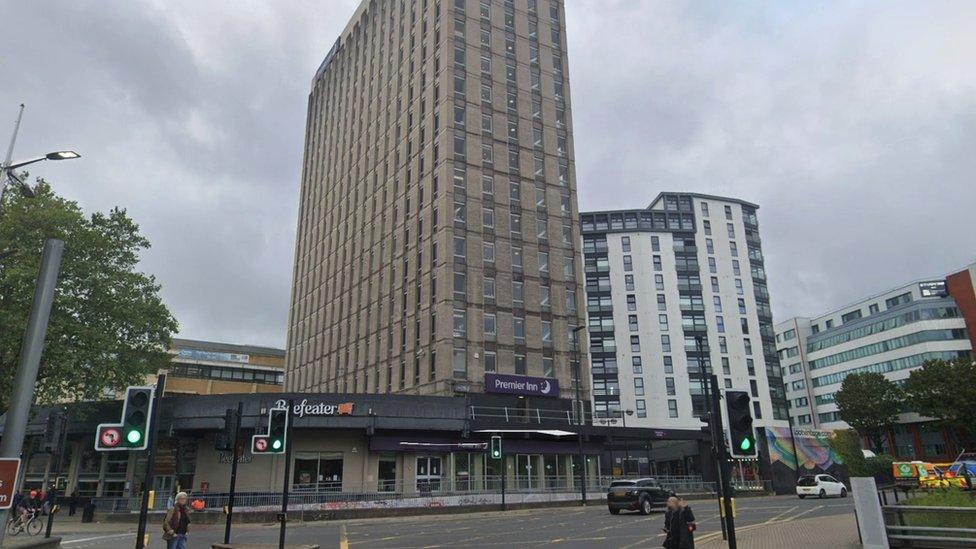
[{"x": 851, "y": 125}]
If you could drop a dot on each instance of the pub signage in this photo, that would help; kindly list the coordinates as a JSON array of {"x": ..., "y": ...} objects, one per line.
[
  {"x": 521, "y": 385},
  {"x": 305, "y": 408}
]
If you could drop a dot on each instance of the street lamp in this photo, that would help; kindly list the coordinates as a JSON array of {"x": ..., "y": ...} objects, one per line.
[{"x": 7, "y": 167}]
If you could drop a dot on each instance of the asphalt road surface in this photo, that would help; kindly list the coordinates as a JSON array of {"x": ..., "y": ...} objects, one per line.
[{"x": 571, "y": 527}]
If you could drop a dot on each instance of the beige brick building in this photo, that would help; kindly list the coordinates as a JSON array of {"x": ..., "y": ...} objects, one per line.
[{"x": 438, "y": 233}]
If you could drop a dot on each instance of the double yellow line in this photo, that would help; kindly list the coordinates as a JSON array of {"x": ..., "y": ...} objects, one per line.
[{"x": 775, "y": 520}]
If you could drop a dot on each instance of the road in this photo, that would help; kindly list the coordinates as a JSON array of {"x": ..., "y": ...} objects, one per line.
[{"x": 571, "y": 527}]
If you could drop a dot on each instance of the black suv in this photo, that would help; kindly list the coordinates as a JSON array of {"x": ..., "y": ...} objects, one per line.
[{"x": 641, "y": 494}]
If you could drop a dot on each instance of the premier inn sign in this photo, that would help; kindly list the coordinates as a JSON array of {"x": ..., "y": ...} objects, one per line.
[
  {"x": 304, "y": 408},
  {"x": 521, "y": 385}
]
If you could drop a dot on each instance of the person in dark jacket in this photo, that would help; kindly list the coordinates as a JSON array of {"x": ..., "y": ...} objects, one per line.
[
  {"x": 679, "y": 525},
  {"x": 177, "y": 523},
  {"x": 73, "y": 503}
]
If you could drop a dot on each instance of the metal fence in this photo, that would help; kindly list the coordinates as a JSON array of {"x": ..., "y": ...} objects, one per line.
[
  {"x": 446, "y": 491},
  {"x": 902, "y": 533}
]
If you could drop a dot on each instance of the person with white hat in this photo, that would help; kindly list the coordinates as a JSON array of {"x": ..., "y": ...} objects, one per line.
[{"x": 177, "y": 523}]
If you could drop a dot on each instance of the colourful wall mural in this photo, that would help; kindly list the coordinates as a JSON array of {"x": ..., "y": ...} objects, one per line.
[{"x": 811, "y": 445}]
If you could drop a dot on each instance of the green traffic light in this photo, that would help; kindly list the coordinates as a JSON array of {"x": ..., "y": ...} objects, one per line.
[
  {"x": 276, "y": 445},
  {"x": 133, "y": 436},
  {"x": 745, "y": 444}
]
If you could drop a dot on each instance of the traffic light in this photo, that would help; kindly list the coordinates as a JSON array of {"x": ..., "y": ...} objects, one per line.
[
  {"x": 275, "y": 441},
  {"x": 496, "y": 447},
  {"x": 742, "y": 437},
  {"x": 136, "y": 417},
  {"x": 224, "y": 440}
]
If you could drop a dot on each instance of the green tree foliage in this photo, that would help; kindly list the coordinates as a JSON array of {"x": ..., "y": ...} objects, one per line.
[
  {"x": 945, "y": 390},
  {"x": 869, "y": 403},
  {"x": 847, "y": 444},
  {"x": 108, "y": 327}
]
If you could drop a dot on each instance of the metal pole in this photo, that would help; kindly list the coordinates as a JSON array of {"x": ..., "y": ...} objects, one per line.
[
  {"x": 724, "y": 471},
  {"x": 504, "y": 468},
  {"x": 233, "y": 471},
  {"x": 283, "y": 517},
  {"x": 22, "y": 395},
  {"x": 150, "y": 459},
  {"x": 709, "y": 413},
  {"x": 579, "y": 413},
  {"x": 796, "y": 457},
  {"x": 62, "y": 441},
  {"x": 3, "y": 171}
]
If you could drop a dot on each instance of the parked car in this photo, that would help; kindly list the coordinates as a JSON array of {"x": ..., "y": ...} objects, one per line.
[
  {"x": 641, "y": 494},
  {"x": 820, "y": 486}
]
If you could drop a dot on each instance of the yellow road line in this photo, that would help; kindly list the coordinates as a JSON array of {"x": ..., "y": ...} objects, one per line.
[{"x": 343, "y": 538}]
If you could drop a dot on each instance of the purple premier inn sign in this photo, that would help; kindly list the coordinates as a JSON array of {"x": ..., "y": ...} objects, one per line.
[{"x": 521, "y": 385}]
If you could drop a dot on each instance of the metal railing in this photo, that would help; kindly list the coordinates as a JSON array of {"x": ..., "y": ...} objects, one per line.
[
  {"x": 525, "y": 415},
  {"x": 903, "y": 534}
]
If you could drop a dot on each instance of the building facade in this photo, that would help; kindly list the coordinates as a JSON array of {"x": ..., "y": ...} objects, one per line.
[
  {"x": 438, "y": 236},
  {"x": 207, "y": 367},
  {"x": 891, "y": 333},
  {"x": 672, "y": 291}
]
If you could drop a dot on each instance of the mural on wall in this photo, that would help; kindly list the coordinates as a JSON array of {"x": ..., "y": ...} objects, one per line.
[
  {"x": 811, "y": 445},
  {"x": 815, "y": 456}
]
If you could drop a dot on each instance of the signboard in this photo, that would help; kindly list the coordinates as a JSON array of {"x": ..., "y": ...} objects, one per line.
[
  {"x": 935, "y": 288},
  {"x": 110, "y": 437},
  {"x": 9, "y": 467},
  {"x": 197, "y": 354},
  {"x": 521, "y": 385},
  {"x": 304, "y": 408}
]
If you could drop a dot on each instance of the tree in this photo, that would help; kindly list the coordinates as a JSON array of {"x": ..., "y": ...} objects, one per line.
[
  {"x": 946, "y": 391},
  {"x": 869, "y": 403},
  {"x": 108, "y": 328}
]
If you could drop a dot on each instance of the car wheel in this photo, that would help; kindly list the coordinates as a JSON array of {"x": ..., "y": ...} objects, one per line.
[
  {"x": 802, "y": 496},
  {"x": 645, "y": 506},
  {"x": 614, "y": 511},
  {"x": 823, "y": 493},
  {"x": 843, "y": 492}
]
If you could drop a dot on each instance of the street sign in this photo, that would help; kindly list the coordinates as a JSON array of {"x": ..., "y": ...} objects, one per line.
[
  {"x": 9, "y": 468},
  {"x": 108, "y": 437}
]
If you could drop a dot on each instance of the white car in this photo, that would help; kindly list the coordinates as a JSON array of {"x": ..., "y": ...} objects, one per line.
[{"x": 820, "y": 486}]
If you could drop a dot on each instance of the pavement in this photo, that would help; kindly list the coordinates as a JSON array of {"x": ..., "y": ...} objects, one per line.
[{"x": 780, "y": 522}]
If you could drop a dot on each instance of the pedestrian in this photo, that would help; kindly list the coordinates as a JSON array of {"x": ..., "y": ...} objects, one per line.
[
  {"x": 176, "y": 523},
  {"x": 73, "y": 503},
  {"x": 679, "y": 525}
]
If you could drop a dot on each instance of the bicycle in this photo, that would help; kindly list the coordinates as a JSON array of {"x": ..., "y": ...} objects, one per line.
[{"x": 30, "y": 522}]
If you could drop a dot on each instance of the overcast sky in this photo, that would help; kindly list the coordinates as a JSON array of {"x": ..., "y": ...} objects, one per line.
[{"x": 852, "y": 125}]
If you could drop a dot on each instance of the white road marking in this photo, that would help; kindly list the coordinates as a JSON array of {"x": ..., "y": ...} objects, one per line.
[{"x": 97, "y": 538}]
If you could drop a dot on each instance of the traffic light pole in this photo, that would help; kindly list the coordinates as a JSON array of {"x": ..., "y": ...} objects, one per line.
[
  {"x": 714, "y": 431},
  {"x": 62, "y": 441},
  {"x": 150, "y": 459},
  {"x": 723, "y": 463},
  {"x": 283, "y": 517},
  {"x": 233, "y": 471}
]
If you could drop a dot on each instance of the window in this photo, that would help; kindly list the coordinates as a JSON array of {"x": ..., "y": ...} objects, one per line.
[
  {"x": 748, "y": 345},
  {"x": 662, "y": 321},
  {"x": 635, "y": 344},
  {"x": 661, "y": 303},
  {"x": 516, "y": 226},
  {"x": 672, "y": 408},
  {"x": 518, "y": 292},
  {"x": 625, "y": 243},
  {"x": 460, "y": 245},
  {"x": 629, "y": 282},
  {"x": 568, "y": 267},
  {"x": 486, "y": 123},
  {"x": 516, "y": 258},
  {"x": 459, "y": 115},
  {"x": 487, "y": 154},
  {"x": 545, "y": 296},
  {"x": 668, "y": 365},
  {"x": 728, "y": 212},
  {"x": 898, "y": 300},
  {"x": 638, "y": 386},
  {"x": 712, "y": 268},
  {"x": 628, "y": 263},
  {"x": 487, "y": 185},
  {"x": 635, "y": 363},
  {"x": 459, "y": 212},
  {"x": 726, "y": 366},
  {"x": 488, "y": 218},
  {"x": 717, "y": 302},
  {"x": 491, "y": 361},
  {"x": 490, "y": 324},
  {"x": 641, "y": 408},
  {"x": 723, "y": 346},
  {"x": 708, "y": 227},
  {"x": 460, "y": 364},
  {"x": 731, "y": 229},
  {"x": 744, "y": 324},
  {"x": 756, "y": 410},
  {"x": 460, "y": 324},
  {"x": 518, "y": 328},
  {"x": 704, "y": 209},
  {"x": 520, "y": 367},
  {"x": 853, "y": 315},
  {"x": 735, "y": 268},
  {"x": 715, "y": 288},
  {"x": 547, "y": 332},
  {"x": 665, "y": 343},
  {"x": 742, "y": 306},
  {"x": 657, "y": 263},
  {"x": 873, "y": 308},
  {"x": 728, "y": 383},
  {"x": 460, "y": 285},
  {"x": 734, "y": 248},
  {"x": 829, "y": 324},
  {"x": 709, "y": 246},
  {"x": 669, "y": 385},
  {"x": 659, "y": 282},
  {"x": 489, "y": 288},
  {"x": 720, "y": 324},
  {"x": 655, "y": 244},
  {"x": 754, "y": 388},
  {"x": 738, "y": 287},
  {"x": 548, "y": 367},
  {"x": 632, "y": 322}
]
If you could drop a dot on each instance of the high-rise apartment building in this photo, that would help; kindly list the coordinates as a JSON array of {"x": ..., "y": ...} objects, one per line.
[
  {"x": 437, "y": 235},
  {"x": 891, "y": 333},
  {"x": 674, "y": 290}
]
